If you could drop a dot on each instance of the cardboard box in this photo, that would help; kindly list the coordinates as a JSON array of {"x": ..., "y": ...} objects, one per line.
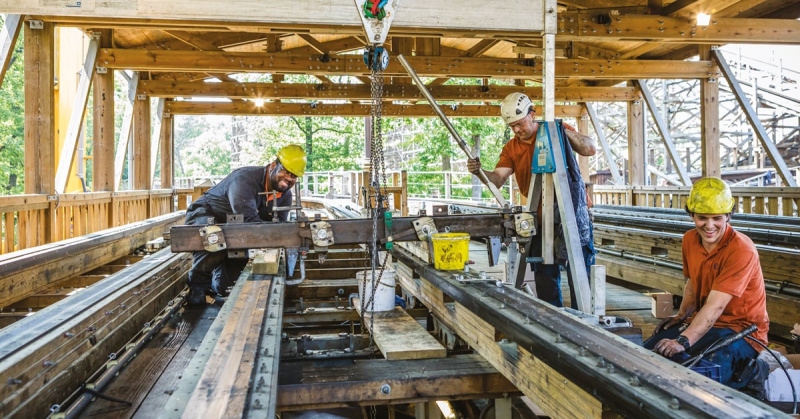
[
  {"x": 777, "y": 385},
  {"x": 662, "y": 305}
]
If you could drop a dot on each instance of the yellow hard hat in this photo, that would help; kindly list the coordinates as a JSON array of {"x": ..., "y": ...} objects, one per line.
[
  {"x": 293, "y": 158},
  {"x": 710, "y": 195}
]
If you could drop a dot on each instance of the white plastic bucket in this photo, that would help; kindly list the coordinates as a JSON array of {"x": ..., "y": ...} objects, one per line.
[{"x": 384, "y": 293}]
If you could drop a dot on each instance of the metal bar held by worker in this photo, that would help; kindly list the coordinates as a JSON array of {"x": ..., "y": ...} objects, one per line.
[{"x": 492, "y": 188}]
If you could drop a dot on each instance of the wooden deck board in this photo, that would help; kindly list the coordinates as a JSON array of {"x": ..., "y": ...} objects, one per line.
[{"x": 399, "y": 336}]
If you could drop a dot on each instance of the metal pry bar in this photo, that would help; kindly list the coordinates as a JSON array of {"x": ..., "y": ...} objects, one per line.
[{"x": 482, "y": 176}]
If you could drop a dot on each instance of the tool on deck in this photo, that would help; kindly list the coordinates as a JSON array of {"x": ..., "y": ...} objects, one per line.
[{"x": 461, "y": 144}]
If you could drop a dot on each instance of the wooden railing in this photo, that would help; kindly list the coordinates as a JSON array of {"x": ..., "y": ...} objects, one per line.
[
  {"x": 783, "y": 201},
  {"x": 34, "y": 220}
]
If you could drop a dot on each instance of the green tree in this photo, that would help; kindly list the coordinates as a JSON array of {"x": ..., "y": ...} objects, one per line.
[{"x": 12, "y": 125}]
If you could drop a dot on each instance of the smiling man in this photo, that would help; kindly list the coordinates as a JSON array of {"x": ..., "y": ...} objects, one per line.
[
  {"x": 724, "y": 291},
  {"x": 253, "y": 192}
]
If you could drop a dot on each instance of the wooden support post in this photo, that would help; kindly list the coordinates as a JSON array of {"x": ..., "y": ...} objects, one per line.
[
  {"x": 167, "y": 150},
  {"x": 8, "y": 39},
  {"x": 103, "y": 139},
  {"x": 155, "y": 141},
  {"x": 636, "y": 145},
  {"x": 125, "y": 133},
  {"x": 39, "y": 110},
  {"x": 709, "y": 121},
  {"x": 583, "y": 161},
  {"x": 141, "y": 144}
]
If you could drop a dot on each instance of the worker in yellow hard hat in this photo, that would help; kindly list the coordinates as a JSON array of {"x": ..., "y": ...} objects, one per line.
[
  {"x": 253, "y": 192},
  {"x": 724, "y": 292}
]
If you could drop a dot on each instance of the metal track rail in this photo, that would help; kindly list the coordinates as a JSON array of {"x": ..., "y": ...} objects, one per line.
[
  {"x": 629, "y": 379},
  {"x": 44, "y": 357}
]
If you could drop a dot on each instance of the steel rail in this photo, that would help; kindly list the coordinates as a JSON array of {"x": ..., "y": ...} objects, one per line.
[
  {"x": 187, "y": 238},
  {"x": 629, "y": 379}
]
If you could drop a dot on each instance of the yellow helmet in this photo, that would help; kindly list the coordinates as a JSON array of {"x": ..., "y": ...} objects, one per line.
[
  {"x": 293, "y": 159},
  {"x": 710, "y": 195}
]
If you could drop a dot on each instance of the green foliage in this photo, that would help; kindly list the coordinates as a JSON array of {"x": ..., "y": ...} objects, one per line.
[{"x": 12, "y": 127}]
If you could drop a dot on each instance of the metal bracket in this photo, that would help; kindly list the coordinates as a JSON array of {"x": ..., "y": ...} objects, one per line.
[
  {"x": 524, "y": 224},
  {"x": 213, "y": 239},
  {"x": 377, "y": 29},
  {"x": 425, "y": 227},
  {"x": 141, "y": 97},
  {"x": 493, "y": 247},
  {"x": 321, "y": 234},
  {"x": 36, "y": 24},
  {"x": 102, "y": 70}
]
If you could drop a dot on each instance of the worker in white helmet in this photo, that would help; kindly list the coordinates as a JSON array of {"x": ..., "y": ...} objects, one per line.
[
  {"x": 518, "y": 113},
  {"x": 724, "y": 292}
]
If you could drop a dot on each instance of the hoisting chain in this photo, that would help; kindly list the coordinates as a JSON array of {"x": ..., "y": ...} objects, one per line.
[{"x": 378, "y": 184}]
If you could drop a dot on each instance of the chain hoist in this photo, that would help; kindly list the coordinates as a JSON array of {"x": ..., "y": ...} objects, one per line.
[{"x": 376, "y": 16}]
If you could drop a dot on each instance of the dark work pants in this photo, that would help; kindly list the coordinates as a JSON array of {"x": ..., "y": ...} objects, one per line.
[
  {"x": 212, "y": 270},
  {"x": 548, "y": 277},
  {"x": 728, "y": 358}
]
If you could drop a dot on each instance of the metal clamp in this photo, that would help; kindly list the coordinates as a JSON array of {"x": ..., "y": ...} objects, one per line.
[
  {"x": 524, "y": 224},
  {"x": 425, "y": 227},
  {"x": 213, "y": 239},
  {"x": 321, "y": 233}
]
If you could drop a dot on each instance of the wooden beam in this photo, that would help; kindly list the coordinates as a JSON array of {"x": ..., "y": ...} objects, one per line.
[
  {"x": 313, "y": 43},
  {"x": 306, "y": 384},
  {"x": 636, "y": 143},
  {"x": 752, "y": 117},
  {"x": 322, "y": 109},
  {"x": 27, "y": 272},
  {"x": 415, "y": 15},
  {"x": 125, "y": 131},
  {"x": 155, "y": 141},
  {"x": 103, "y": 137},
  {"x": 75, "y": 127},
  {"x": 167, "y": 150},
  {"x": 140, "y": 172},
  {"x": 663, "y": 129},
  {"x": 575, "y": 26},
  {"x": 709, "y": 122},
  {"x": 392, "y": 92},
  {"x": 399, "y": 336},
  {"x": 40, "y": 130},
  {"x": 352, "y": 65},
  {"x": 8, "y": 39}
]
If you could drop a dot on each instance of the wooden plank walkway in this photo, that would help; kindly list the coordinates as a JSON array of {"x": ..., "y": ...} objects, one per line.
[{"x": 400, "y": 336}]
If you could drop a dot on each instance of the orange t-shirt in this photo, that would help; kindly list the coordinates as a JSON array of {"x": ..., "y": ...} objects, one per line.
[
  {"x": 518, "y": 156},
  {"x": 733, "y": 268}
]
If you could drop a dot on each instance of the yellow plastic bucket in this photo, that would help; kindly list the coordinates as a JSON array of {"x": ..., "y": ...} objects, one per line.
[{"x": 450, "y": 250}]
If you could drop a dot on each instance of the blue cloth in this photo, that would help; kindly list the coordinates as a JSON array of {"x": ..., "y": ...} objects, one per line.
[
  {"x": 728, "y": 358},
  {"x": 548, "y": 277}
]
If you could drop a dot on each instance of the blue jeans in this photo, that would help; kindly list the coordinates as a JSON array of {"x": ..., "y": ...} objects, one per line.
[
  {"x": 548, "y": 279},
  {"x": 728, "y": 358}
]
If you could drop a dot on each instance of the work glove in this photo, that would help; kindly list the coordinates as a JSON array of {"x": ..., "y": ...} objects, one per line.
[{"x": 474, "y": 165}]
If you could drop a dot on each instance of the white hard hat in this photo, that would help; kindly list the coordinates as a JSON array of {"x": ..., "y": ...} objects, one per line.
[{"x": 515, "y": 107}]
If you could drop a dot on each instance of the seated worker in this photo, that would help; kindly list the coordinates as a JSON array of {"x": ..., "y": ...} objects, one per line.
[
  {"x": 246, "y": 191},
  {"x": 724, "y": 291},
  {"x": 516, "y": 158}
]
